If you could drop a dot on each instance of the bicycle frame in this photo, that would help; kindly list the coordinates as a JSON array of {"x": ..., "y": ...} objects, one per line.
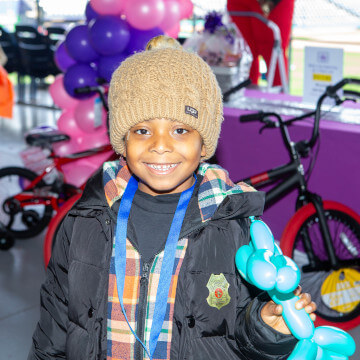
[
  {"x": 291, "y": 176},
  {"x": 294, "y": 177},
  {"x": 36, "y": 196}
]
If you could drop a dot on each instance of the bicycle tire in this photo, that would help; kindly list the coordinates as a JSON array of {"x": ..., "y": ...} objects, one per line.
[
  {"x": 11, "y": 182},
  {"x": 348, "y": 221},
  {"x": 54, "y": 227}
]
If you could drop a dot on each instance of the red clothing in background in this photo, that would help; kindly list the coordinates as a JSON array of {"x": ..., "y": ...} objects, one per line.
[
  {"x": 259, "y": 37},
  {"x": 6, "y": 94}
]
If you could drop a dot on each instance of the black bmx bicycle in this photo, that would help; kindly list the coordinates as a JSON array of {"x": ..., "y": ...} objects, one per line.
[{"x": 323, "y": 236}]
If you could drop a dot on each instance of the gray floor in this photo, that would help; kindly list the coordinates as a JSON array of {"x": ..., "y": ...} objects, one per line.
[{"x": 21, "y": 268}]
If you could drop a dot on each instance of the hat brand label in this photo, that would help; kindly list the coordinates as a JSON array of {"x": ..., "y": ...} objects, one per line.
[{"x": 191, "y": 111}]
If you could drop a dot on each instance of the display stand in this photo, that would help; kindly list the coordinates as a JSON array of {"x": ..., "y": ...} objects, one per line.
[{"x": 277, "y": 55}]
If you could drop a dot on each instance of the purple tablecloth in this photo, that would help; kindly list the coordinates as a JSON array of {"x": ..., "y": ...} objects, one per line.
[{"x": 244, "y": 152}]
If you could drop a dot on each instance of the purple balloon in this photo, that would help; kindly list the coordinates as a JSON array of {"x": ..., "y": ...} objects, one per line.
[
  {"x": 78, "y": 44},
  {"x": 79, "y": 75},
  {"x": 139, "y": 38},
  {"x": 109, "y": 34},
  {"x": 95, "y": 64},
  {"x": 62, "y": 58},
  {"x": 108, "y": 64},
  {"x": 90, "y": 13}
]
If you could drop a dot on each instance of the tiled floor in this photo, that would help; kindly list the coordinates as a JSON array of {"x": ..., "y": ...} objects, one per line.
[{"x": 21, "y": 268}]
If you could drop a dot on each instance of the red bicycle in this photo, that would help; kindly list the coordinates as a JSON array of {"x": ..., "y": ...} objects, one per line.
[
  {"x": 323, "y": 237},
  {"x": 27, "y": 200}
]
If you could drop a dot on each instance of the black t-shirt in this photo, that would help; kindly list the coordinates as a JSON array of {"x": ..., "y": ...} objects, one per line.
[{"x": 150, "y": 221}]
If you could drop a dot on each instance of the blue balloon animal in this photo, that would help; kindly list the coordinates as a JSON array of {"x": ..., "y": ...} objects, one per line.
[{"x": 263, "y": 264}]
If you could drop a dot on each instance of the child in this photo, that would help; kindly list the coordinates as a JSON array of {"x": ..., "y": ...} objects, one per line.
[{"x": 143, "y": 265}]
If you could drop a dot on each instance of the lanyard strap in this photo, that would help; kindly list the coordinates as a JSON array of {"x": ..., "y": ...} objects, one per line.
[{"x": 167, "y": 263}]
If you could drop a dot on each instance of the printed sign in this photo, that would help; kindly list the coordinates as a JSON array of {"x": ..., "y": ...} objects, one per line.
[
  {"x": 341, "y": 290},
  {"x": 322, "y": 67}
]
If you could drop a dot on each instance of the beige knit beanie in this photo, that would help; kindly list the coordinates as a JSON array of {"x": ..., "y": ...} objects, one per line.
[{"x": 165, "y": 81}]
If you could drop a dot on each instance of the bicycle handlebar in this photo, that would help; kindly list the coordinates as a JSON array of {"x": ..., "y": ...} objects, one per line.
[
  {"x": 99, "y": 89},
  {"x": 331, "y": 92},
  {"x": 259, "y": 116},
  {"x": 305, "y": 145},
  {"x": 332, "y": 89}
]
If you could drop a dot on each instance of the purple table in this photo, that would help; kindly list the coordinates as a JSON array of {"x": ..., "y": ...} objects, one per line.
[{"x": 244, "y": 152}]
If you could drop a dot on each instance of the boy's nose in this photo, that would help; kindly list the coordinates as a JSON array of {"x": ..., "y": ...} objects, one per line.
[{"x": 161, "y": 144}]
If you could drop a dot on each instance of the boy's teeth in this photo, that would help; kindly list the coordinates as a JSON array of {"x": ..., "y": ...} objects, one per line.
[{"x": 162, "y": 167}]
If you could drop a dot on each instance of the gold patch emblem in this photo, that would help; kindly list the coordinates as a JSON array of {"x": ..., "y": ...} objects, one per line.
[{"x": 218, "y": 291}]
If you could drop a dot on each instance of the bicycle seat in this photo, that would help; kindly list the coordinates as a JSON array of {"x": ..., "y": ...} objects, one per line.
[{"x": 44, "y": 139}]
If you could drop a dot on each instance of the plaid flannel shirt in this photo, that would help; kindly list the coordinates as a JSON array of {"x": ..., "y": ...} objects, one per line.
[{"x": 214, "y": 188}]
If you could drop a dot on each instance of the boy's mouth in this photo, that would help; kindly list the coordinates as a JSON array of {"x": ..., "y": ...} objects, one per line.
[{"x": 163, "y": 168}]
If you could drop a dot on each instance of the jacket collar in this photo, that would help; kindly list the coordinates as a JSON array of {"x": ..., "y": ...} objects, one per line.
[{"x": 215, "y": 186}]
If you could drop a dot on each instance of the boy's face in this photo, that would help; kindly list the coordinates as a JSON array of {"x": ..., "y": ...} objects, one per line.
[{"x": 163, "y": 154}]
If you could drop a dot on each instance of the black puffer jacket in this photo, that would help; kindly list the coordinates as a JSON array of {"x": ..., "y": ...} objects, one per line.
[{"x": 73, "y": 323}]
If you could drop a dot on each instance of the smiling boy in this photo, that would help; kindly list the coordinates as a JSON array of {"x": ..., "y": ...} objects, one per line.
[
  {"x": 143, "y": 266},
  {"x": 164, "y": 155}
]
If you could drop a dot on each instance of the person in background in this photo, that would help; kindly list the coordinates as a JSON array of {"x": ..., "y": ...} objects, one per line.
[
  {"x": 143, "y": 266},
  {"x": 6, "y": 89},
  {"x": 259, "y": 37}
]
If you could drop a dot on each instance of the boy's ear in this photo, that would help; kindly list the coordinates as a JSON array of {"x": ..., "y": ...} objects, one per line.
[{"x": 203, "y": 150}]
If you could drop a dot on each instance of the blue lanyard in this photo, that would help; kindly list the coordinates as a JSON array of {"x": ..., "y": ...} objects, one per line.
[{"x": 167, "y": 263}]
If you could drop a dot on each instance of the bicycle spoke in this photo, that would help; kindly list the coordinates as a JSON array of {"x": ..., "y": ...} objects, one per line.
[
  {"x": 20, "y": 218},
  {"x": 335, "y": 291}
]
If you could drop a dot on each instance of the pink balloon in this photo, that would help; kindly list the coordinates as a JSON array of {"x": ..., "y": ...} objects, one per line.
[
  {"x": 97, "y": 160},
  {"x": 91, "y": 141},
  {"x": 78, "y": 172},
  {"x": 172, "y": 15},
  {"x": 59, "y": 95},
  {"x": 66, "y": 147},
  {"x": 186, "y": 8},
  {"x": 107, "y": 7},
  {"x": 67, "y": 124},
  {"x": 174, "y": 31},
  {"x": 144, "y": 14},
  {"x": 85, "y": 115}
]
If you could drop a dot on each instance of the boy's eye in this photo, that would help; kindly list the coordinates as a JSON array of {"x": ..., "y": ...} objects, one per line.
[
  {"x": 181, "y": 131},
  {"x": 142, "y": 131}
]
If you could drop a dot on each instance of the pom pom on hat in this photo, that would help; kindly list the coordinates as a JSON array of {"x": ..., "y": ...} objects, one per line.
[{"x": 165, "y": 81}]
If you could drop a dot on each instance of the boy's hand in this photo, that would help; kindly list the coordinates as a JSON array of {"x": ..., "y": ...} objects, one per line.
[{"x": 271, "y": 312}]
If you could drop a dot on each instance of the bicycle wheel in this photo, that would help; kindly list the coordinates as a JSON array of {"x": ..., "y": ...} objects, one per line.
[
  {"x": 21, "y": 220},
  {"x": 54, "y": 227},
  {"x": 336, "y": 292}
]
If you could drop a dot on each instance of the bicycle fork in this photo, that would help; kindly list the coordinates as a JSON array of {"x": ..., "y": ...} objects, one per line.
[{"x": 314, "y": 264}]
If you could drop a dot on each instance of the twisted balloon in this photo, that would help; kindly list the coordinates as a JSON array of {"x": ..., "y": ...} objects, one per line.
[{"x": 263, "y": 264}]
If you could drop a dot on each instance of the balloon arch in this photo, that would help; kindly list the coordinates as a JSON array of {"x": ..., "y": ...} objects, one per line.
[{"x": 113, "y": 30}]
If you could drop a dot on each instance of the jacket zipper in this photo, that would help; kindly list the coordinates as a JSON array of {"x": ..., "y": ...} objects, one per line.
[{"x": 144, "y": 283}]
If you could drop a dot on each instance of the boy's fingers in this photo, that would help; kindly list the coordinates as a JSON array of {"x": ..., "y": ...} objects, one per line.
[
  {"x": 305, "y": 299},
  {"x": 273, "y": 309},
  {"x": 298, "y": 290},
  {"x": 310, "y": 308},
  {"x": 278, "y": 310}
]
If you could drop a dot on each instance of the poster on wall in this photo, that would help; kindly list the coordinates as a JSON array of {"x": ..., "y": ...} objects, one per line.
[{"x": 322, "y": 67}]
